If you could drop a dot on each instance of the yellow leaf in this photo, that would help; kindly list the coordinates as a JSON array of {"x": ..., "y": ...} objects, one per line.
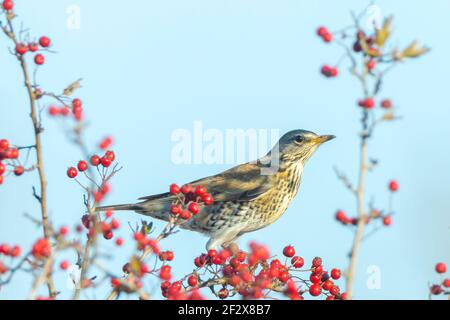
[
  {"x": 381, "y": 35},
  {"x": 414, "y": 50},
  {"x": 135, "y": 265}
]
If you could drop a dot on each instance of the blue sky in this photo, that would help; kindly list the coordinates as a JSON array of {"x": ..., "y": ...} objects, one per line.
[{"x": 151, "y": 67}]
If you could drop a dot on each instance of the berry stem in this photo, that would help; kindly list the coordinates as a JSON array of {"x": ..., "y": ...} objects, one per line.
[{"x": 360, "y": 228}]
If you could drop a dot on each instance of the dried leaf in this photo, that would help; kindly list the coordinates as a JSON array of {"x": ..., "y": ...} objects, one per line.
[
  {"x": 72, "y": 87},
  {"x": 389, "y": 115},
  {"x": 381, "y": 35},
  {"x": 414, "y": 50},
  {"x": 135, "y": 265}
]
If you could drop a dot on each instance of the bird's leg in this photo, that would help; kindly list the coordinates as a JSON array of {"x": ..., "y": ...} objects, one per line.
[{"x": 231, "y": 246}]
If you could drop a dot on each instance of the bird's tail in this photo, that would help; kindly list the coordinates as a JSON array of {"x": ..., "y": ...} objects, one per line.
[
  {"x": 120, "y": 207},
  {"x": 156, "y": 206}
]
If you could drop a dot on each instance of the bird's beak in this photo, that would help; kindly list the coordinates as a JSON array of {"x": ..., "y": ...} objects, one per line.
[{"x": 322, "y": 139}]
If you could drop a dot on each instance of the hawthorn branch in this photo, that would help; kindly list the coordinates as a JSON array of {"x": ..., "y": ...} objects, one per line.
[{"x": 34, "y": 115}]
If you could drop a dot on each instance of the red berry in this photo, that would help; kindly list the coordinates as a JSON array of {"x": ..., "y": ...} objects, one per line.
[
  {"x": 367, "y": 103},
  {"x": 63, "y": 230},
  {"x": 19, "y": 170},
  {"x": 106, "y": 162},
  {"x": 387, "y": 220},
  {"x": 76, "y": 103},
  {"x": 44, "y": 41},
  {"x": 436, "y": 289},
  {"x": 95, "y": 160},
  {"x": 185, "y": 214},
  {"x": 318, "y": 270},
  {"x": 33, "y": 47},
  {"x": 335, "y": 274},
  {"x": 4, "y": 144},
  {"x": 393, "y": 186},
  {"x": 328, "y": 37},
  {"x": 115, "y": 282},
  {"x": 386, "y": 104},
  {"x": 193, "y": 281},
  {"x": 165, "y": 273},
  {"x": 115, "y": 224},
  {"x": 327, "y": 285},
  {"x": 2, "y": 168},
  {"x": 119, "y": 241},
  {"x": 8, "y": 5},
  {"x": 207, "y": 199},
  {"x": 39, "y": 59},
  {"x": 174, "y": 189},
  {"x": 194, "y": 207},
  {"x": 223, "y": 293},
  {"x": 315, "y": 278},
  {"x": 64, "y": 265},
  {"x": 315, "y": 290},
  {"x": 15, "y": 251},
  {"x": 334, "y": 290},
  {"x": 82, "y": 166},
  {"x": 289, "y": 251},
  {"x": 317, "y": 262},
  {"x": 54, "y": 111},
  {"x": 175, "y": 209},
  {"x": 186, "y": 189},
  {"x": 371, "y": 64},
  {"x": 21, "y": 49},
  {"x": 441, "y": 267},
  {"x": 72, "y": 172},
  {"x": 169, "y": 255},
  {"x": 108, "y": 235},
  {"x": 341, "y": 216},
  {"x": 446, "y": 283},
  {"x": 334, "y": 72},
  {"x": 297, "y": 262},
  {"x": 200, "y": 191},
  {"x": 5, "y": 249},
  {"x": 14, "y": 153},
  {"x": 110, "y": 154},
  {"x": 212, "y": 253},
  {"x": 283, "y": 276},
  {"x": 321, "y": 31}
]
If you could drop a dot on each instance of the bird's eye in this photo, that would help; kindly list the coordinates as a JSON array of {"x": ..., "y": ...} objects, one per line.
[{"x": 299, "y": 139}]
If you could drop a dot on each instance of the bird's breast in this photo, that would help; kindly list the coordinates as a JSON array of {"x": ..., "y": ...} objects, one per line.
[{"x": 275, "y": 202}]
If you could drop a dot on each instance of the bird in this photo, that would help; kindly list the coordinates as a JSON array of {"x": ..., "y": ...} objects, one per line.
[{"x": 247, "y": 197}]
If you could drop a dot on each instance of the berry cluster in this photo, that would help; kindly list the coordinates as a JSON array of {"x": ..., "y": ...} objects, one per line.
[
  {"x": 372, "y": 50},
  {"x": 375, "y": 215},
  {"x": 41, "y": 249},
  {"x": 106, "y": 226},
  {"x": 189, "y": 200},
  {"x": 329, "y": 72},
  {"x": 325, "y": 34},
  {"x": 105, "y": 163},
  {"x": 75, "y": 109},
  {"x": 9, "y": 157},
  {"x": 253, "y": 275},
  {"x": 369, "y": 103},
  {"x": 8, "y": 5},
  {"x": 23, "y": 48},
  {"x": 8, "y": 251},
  {"x": 444, "y": 286}
]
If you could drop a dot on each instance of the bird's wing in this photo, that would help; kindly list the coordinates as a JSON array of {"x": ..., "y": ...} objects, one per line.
[{"x": 241, "y": 183}]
